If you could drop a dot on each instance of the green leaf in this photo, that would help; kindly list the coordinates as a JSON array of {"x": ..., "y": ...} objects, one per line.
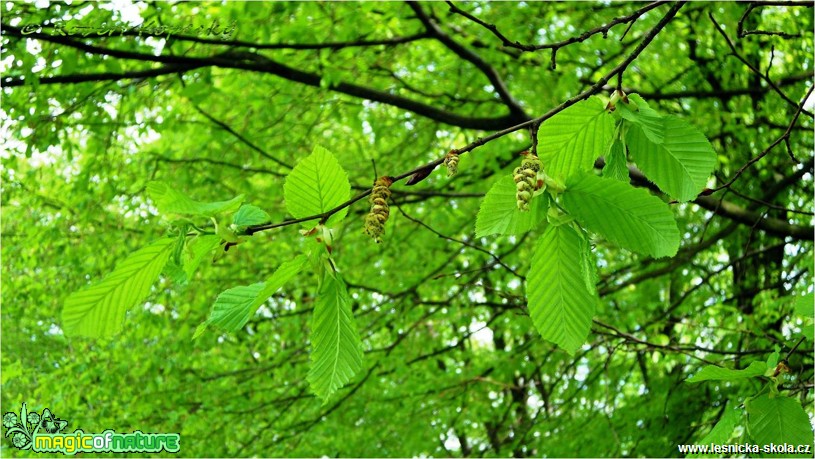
[
  {"x": 714, "y": 373},
  {"x": 499, "y": 213},
  {"x": 772, "y": 360},
  {"x": 235, "y": 306},
  {"x": 197, "y": 249},
  {"x": 316, "y": 185},
  {"x": 170, "y": 201},
  {"x": 249, "y": 215},
  {"x": 199, "y": 330},
  {"x": 723, "y": 430},
  {"x": 336, "y": 349},
  {"x": 641, "y": 106},
  {"x": 616, "y": 167},
  {"x": 282, "y": 274},
  {"x": 570, "y": 141},
  {"x": 175, "y": 272},
  {"x": 681, "y": 164},
  {"x": 99, "y": 310},
  {"x": 651, "y": 123},
  {"x": 804, "y": 305},
  {"x": 627, "y": 216},
  {"x": 778, "y": 420},
  {"x": 560, "y": 303}
]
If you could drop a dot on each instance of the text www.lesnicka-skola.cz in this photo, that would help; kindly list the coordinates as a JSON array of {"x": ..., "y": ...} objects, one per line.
[{"x": 746, "y": 448}]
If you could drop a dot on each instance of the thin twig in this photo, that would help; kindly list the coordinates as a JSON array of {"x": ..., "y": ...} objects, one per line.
[
  {"x": 597, "y": 87},
  {"x": 753, "y": 69},
  {"x": 772, "y": 145}
]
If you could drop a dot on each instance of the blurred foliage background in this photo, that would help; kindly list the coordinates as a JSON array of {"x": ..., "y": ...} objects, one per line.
[{"x": 453, "y": 366}]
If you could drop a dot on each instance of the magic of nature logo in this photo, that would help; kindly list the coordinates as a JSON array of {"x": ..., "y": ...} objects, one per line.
[{"x": 43, "y": 433}]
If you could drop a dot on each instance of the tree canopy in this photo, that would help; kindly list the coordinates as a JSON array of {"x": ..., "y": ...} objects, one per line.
[{"x": 410, "y": 229}]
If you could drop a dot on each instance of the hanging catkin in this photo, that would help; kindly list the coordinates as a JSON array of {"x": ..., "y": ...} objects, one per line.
[
  {"x": 451, "y": 162},
  {"x": 526, "y": 177},
  {"x": 376, "y": 218}
]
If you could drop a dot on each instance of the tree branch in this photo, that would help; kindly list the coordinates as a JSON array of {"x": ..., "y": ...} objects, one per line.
[
  {"x": 468, "y": 55},
  {"x": 481, "y": 141},
  {"x": 259, "y": 63},
  {"x": 631, "y": 18},
  {"x": 753, "y": 69}
]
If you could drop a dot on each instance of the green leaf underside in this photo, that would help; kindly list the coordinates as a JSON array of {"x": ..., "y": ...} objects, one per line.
[
  {"x": 627, "y": 216},
  {"x": 99, "y": 311},
  {"x": 170, "y": 201},
  {"x": 316, "y": 185},
  {"x": 499, "y": 213},
  {"x": 616, "y": 167},
  {"x": 723, "y": 430},
  {"x": 249, "y": 215},
  {"x": 336, "y": 348},
  {"x": 234, "y": 307},
  {"x": 642, "y": 106},
  {"x": 571, "y": 140},
  {"x": 779, "y": 420},
  {"x": 714, "y": 373},
  {"x": 651, "y": 123},
  {"x": 559, "y": 301},
  {"x": 197, "y": 249},
  {"x": 680, "y": 165}
]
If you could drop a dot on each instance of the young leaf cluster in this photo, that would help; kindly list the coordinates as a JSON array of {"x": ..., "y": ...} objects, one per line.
[{"x": 575, "y": 202}]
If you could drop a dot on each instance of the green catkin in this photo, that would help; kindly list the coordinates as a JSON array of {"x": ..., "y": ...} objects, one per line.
[
  {"x": 526, "y": 180},
  {"x": 376, "y": 218},
  {"x": 451, "y": 162}
]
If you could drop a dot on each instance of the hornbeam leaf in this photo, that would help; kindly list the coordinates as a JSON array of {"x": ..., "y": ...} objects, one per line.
[
  {"x": 778, "y": 420},
  {"x": 616, "y": 166},
  {"x": 723, "y": 430},
  {"x": 197, "y": 249},
  {"x": 171, "y": 201},
  {"x": 249, "y": 215},
  {"x": 651, "y": 123},
  {"x": 336, "y": 349},
  {"x": 679, "y": 165},
  {"x": 499, "y": 213},
  {"x": 232, "y": 308},
  {"x": 627, "y": 216},
  {"x": 99, "y": 310},
  {"x": 317, "y": 184},
  {"x": 235, "y": 306},
  {"x": 570, "y": 141},
  {"x": 560, "y": 302},
  {"x": 714, "y": 373}
]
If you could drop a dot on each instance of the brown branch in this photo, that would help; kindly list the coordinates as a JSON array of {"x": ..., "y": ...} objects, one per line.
[
  {"x": 631, "y": 18},
  {"x": 464, "y": 243},
  {"x": 241, "y": 138},
  {"x": 481, "y": 141},
  {"x": 259, "y": 63},
  {"x": 784, "y": 138},
  {"x": 741, "y": 33},
  {"x": 470, "y": 56},
  {"x": 753, "y": 69},
  {"x": 10, "y": 82}
]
